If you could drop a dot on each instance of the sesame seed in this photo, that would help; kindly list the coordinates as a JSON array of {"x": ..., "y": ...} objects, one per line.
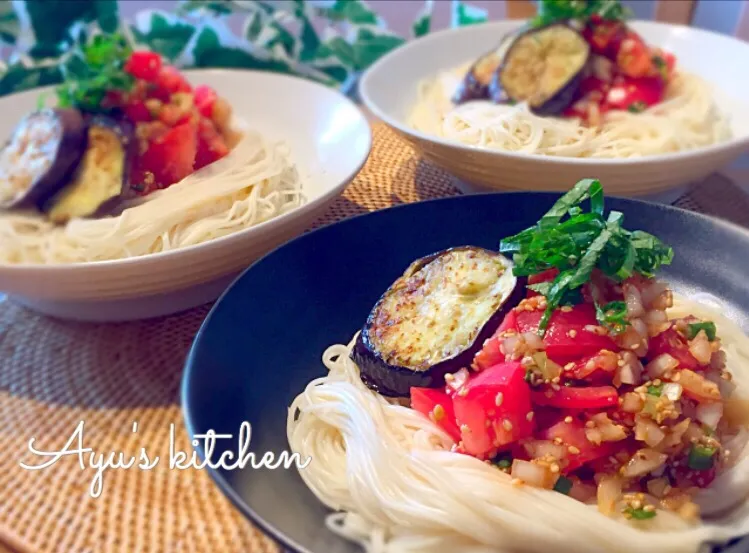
[
  {"x": 648, "y": 508},
  {"x": 555, "y": 387},
  {"x": 657, "y": 382},
  {"x": 572, "y": 333},
  {"x": 554, "y": 468},
  {"x": 566, "y": 308},
  {"x": 529, "y": 416},
  {"x": 499, "y": 399},
  {"x": 620, "y": 363},
  {"x": 449, "y": 377},
  {"x": 572, "y": 449},
  {"x": 558, "y": 441},
  {"x": 465, "y": 429},
  {"x": 517, "y": 482},
  {"x": 590, "y": 424},
  {"x": 507, "y": 425},
  {"x": 676, "y": 377},
  {"x": 556, "y": 380},
  {"x": 637, "y": 504},
  {"x": 439, "y": 413},
  {"x": 462, "y": 392},
  {"x": 569, "y": 366},
  {"x": 568, "y": 419}
]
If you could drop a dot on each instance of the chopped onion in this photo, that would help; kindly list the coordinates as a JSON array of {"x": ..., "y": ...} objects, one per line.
[
  {"x": 693, "y": 432},
  {"x": 594, "y": 435},
  {"x": 533, "y": 474},
  {"x": 658, "y": 486},
  {"x": 459, "y": 379},
  {"x": 533, "y": 340},
  {"x": 538, "y": 449},
  {"x": 641, "y": 328},
  {"x": 632, "y": 403},
  {"x": 649, "y": 432},
  {"x": 676, "y": 433},
  {"x": 643, "y": 462},
  {"x": 581, "y": 491},
  {"x": 655, "y": 316},
  {"x": 548, "y": 369},
  {"x": 634, "y": 301},
  {"x": 631, "y": 370},
  {"x": 609, "y": 431},
  {"x": 609, "y": 492},
  {"x": 510, "y": 344},
  {"x": 698, "y": 387},
  {"x": 699, "y": 347},
  {"x": 718, "y": 360},
  {"x": 710, "y": 413},
  {"x": 661, "y": 365},
  {"x": 631, "y": 339},
  {"x": 726, "y": 387},
  {"x": 672, "y": 391},
  {"x": 649, "y": 294}
]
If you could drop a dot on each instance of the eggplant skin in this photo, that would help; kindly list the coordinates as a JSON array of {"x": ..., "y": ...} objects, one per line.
[
  {"x": 476, "y": 84},
  {"x": 37, "y": 160},
  {"x": 433, "y": 319},
  {"x": 101, "y": 180},
  {"x": 544, "y": 68}
]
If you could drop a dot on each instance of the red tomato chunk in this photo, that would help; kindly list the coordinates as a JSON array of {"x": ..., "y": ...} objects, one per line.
[{"x": 438, "y": 406}]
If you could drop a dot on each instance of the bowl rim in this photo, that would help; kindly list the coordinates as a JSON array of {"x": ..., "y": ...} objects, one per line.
[
  {"x": 187, "y": 385},
  {"x": 196, "y": 249},
  {"x": 366, "y": 94}
]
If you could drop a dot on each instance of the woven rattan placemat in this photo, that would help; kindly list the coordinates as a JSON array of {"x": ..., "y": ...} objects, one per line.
[{"x": 54, "y": 374}]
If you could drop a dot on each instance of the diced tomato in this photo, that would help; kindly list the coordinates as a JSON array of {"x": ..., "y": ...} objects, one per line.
[
  {"x": 211, "y": 145},
  {"x": 489, "y": 355},
  {"x": 144, "y": 65},
  {"x": 674, "y": 344},
  {"x": 170, "y": 158},
  {"x": 573, "y": 434},
  {"x": 566, "y": 338},
  {"x": 205, "y": 97},
  {"x": 604, "y": 361},
  {"x": 636, "y": 94},
  {"x": 137, "y": 112},
  {"x": 171, "y": 80},
  {"x": 604, "y": 37},
  {"x": 528, "y": 321},
  {"x": 571, "y": 397},
  {"x": 173, "y": 115},
  {"x": 633, "y": 57},
  {"x": 492, "y": 420},
  {"x": 510, "y": 322},
  {"x": 438, "y": 407}
]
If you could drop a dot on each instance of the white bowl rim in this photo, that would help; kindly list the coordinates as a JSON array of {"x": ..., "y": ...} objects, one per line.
[
  {"x": 195, "y": 248},
  {"x": 364, "y": 92}
]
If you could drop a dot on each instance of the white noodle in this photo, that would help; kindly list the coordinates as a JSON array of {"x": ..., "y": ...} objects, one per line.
[
  {"x": 686, "y": 119},
  {"x": 398, "y": 489},
  {"x": 254, "y": 183}
]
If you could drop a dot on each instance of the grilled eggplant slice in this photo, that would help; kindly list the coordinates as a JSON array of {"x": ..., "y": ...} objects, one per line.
[
  {"x": 39, "y": 157},
  {"x": 477, "y": 84},
  {"x": 544, "y": 67},
  {"x": 433, "y": 319},
  {"x": 100, "y": 182}
]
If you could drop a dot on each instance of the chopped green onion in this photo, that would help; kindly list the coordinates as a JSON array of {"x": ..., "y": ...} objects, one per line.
[
  {"x": 655, "y": 390},
  {"x": 693, "y": 329},
  {"x": 504, "y": 461},
  {"x": 563, "y": 485},
  {"x": 701, "y": 457},
  {"x": 637, "y": 107},
  {"x": 640, "y": 514}
]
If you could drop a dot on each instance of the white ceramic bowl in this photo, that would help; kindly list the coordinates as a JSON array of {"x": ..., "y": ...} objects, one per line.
[
  {"x": 389, "y": 90},
  {"x": 330, "y": 140}
]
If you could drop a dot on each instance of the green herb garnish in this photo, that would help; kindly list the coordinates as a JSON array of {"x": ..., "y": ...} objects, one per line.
[
  {"x": 639, "y": 514},
  {"x": 693, "y": 329},
  {"x": 563, "y": 485},
  {"x": 655, "y": 390},
  {"x": 96, "y": 70},
  {"x": 701, "y": 457},
  {"x": 529, "y": 375},
  {"x": 576, "y": 242},
  {"x": 613, "y": 316},
  {"x": 637, "y": 107},
  {"x": 661, "y": 65},
  {"x": 551, "y": 11}
]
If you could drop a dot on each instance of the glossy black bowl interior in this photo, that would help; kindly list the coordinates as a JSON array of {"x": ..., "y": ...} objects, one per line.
[{"x": 262, "y": 342}]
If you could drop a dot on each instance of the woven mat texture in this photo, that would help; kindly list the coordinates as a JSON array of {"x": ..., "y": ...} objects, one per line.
[{"x": 54, "y": 374}]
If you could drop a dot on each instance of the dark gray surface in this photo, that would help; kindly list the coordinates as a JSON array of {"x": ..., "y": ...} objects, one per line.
[{"x": 262, "y": 342}]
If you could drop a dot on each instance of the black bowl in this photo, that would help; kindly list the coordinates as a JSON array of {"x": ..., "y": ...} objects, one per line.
[{"x": 263, "y": 341}]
